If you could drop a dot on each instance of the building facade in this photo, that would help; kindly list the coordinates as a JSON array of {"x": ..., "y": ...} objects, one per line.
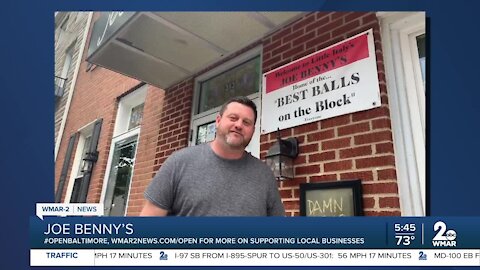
[
  {"x": 152, "y": 83},
  {"x": 70, "y": 39}
]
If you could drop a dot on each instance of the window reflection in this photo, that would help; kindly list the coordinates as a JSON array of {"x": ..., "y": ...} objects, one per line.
[
  {"x": 120, "y": 176},
  {"x": 136, "y": 116},
  {"x": 241, "y": 80}
]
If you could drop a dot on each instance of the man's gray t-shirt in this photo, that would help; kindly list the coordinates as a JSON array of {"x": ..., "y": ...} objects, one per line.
[{"x": 195, "y": 181}]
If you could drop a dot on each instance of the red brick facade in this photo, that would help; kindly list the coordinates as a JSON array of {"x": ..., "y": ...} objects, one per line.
[{"x": 352, "y": 146}]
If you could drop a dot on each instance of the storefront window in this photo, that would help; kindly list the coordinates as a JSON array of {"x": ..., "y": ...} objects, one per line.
[{"x": 241, "y": 80}]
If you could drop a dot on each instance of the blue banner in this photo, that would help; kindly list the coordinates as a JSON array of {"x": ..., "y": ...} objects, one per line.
[{"x": 254, "y": 233}]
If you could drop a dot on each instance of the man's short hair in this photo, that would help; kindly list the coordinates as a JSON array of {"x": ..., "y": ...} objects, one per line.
[{"x": 242, "y": 100}]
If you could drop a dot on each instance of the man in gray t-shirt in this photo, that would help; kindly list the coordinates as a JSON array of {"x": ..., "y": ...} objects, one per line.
[{"x": 219, "y": 178}]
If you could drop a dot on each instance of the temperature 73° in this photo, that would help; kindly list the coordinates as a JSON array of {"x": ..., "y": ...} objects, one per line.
[{"x": 404, "y": 240}]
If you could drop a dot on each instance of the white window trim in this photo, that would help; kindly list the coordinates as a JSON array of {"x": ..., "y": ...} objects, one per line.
[
  {"x": 407, "y": 106},
  {"x": 125, "y": 106},
  {"x": 417, "y": 73},
  {"x": 120, "y": 132}
]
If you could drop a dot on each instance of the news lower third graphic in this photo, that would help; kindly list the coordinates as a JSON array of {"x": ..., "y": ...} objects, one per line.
[{"x": 78, "y": 235}]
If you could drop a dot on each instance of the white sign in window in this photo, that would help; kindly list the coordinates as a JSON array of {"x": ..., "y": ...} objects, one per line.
[{"x": 206, "y": 133}]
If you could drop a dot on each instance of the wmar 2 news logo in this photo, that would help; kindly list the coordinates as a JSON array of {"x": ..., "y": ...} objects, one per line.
[{"x": 444, "y": 237}]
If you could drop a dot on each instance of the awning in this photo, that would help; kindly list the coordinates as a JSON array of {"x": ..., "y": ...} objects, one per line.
[{"x": 163, "y": 48}]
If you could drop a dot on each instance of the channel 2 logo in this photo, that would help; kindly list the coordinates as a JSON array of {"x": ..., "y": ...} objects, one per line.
[{"x": 443, "y": 238}]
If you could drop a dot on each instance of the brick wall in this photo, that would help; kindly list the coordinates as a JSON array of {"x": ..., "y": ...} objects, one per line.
[
  {"x": 169, "y": 132},
  {"x": 352, "y": 146},
  {"x": 357, "y": 145}
]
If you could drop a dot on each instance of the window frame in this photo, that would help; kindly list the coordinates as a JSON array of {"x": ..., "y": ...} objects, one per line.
[
  {"x": 217, "y": 71},
  {"x": 125, "y": 106},
  {"x": 198, "y": 119},
  {"x": 121, "y": 132},
  {"x": 199, "y": 83},
  {"x": 407, "y": 97}
]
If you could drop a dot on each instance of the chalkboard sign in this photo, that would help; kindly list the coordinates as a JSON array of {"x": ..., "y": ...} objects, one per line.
[{"x": 331, "y": 199}]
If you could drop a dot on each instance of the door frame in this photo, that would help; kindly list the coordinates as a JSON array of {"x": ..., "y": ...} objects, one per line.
[{"x": 407, "y": 97}]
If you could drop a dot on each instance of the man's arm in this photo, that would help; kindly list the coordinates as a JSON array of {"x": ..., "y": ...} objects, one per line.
[{"x": 150, "y": 209}]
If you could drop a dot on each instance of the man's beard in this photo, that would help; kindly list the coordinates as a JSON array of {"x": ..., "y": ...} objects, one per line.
[{"x": 235, "y": 142}]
